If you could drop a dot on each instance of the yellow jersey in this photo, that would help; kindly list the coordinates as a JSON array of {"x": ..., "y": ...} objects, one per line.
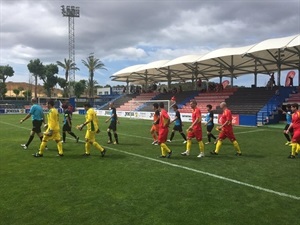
[
  {"x": 53, "y": 119},
  {"x": 92, "y": 120}
]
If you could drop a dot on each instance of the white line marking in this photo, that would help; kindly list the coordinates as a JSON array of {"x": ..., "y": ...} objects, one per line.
[{"x": 196, "y": 171}]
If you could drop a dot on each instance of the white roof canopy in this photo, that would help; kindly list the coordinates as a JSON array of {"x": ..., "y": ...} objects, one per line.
[{"x": 264, "y": 57}]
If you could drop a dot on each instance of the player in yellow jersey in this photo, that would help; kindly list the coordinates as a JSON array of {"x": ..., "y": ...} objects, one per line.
[
  {"x": 52, "y": 132},
  {"x": 91, "y": 121}
]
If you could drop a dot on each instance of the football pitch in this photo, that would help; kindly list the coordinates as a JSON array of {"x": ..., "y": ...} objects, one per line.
[{"x": 132, "y": 186}]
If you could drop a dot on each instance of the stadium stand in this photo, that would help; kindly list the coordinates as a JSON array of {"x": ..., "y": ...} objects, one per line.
[
  {"x": 120, "y": 101},
  {"x": 134, "y": 103},
  {"x": 181, "y": 99},
  {"x": 248, "y": 100},
  {"x": 294, "y": 96},
  {"x": 16, "y": 104},
  {"x": 212, "y": 98}
]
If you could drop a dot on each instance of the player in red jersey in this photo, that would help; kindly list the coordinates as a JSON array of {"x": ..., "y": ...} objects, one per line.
[
  {"x": 295, "y": 125},
  {"x": 226, "y": 131},
  {"x": 155, "y": 126},
  {"x": 194, "y": 131},
  {"x": 164, "y": 121}
]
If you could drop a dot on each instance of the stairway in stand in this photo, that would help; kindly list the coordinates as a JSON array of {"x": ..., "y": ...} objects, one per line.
[{"x": 212, "y": 98}]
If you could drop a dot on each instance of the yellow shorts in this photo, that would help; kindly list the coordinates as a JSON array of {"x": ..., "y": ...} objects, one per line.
[
  {"x": 55, "y": 136},
  {"x": 90, "y": 135}
]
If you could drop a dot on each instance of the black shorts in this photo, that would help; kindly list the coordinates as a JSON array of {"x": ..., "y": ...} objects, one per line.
[
  {"x": 36, "y": 126},
  {"x": 113, "y": 125},
  {"x": 209, "y": 127},
  {"x": 66, "y": 127},
  {"x": 177, "y": 128}
]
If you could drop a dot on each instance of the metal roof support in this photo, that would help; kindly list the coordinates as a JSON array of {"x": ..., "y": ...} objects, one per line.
[{"x": 255, "y": 73}]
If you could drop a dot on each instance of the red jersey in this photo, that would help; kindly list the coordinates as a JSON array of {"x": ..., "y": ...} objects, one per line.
[
  {"x": 296, "y": 120},
  {"x": 164, "y": 119},
  {"x": 196, "y": 114},
  {"x": 226, "y": 116}
]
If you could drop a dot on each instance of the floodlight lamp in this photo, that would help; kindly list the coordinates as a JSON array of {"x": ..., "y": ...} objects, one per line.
[{"x": 63, "y": 9}]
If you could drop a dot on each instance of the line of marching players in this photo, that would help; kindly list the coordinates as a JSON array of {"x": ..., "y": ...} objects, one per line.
[
  {"x": 159, "y": 129},
  {"x": 161, "y": 122},
  {"x": 53, "y": 127}
]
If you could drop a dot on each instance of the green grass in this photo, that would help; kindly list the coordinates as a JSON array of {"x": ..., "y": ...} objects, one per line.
[{"x": 130, "y": 185}]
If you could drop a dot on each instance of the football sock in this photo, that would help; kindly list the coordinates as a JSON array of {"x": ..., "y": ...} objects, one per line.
[
  {"x": 188, "y": 145},
  {"x": 172, "y": 135},
  {"x": 236, "y": 146},
  {"x": 41, "y": 138},
  {"x": 72, "y": 134},
  {"x": 287, "y": 137},
  {"x": 298, "y": 148},
  {"x": 64, "y": 136},
  {"x": 87, "y": 148},
  {"x": 99, "y": 147},
  {"x": 29, "y": 140},
  {"x": 60, "y": 148},
  {"x": 164, "y": 149},
  {"x": 201, "y": 146},
  {"x": 116, "y": 137},
  {"x": 109, "y": 136},
  {"x": 218, "y": 146},
  {"x": 208, "y": 137},
  {"x": 213, "y": 136},
  {"x": 183, "y": 135},
  {"x": 294, "y": 148},
  {"x": 42, "y": 147}
]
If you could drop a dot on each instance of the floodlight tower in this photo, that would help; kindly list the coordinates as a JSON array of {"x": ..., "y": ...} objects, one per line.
[{"x": 71, "y": 12}]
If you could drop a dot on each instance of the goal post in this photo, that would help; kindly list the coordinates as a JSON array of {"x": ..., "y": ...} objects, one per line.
[
  {"x": 42, "y": 101},
  {"x": 143, "y": 109}
]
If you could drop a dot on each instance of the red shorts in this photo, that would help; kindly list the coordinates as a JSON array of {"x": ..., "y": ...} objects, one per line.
[
  {"x": 227, "y": 134},
  {"x": 296, "y": 137},
  {"x": 197, "y": 133},
  {"x": 163, "y": 135}
]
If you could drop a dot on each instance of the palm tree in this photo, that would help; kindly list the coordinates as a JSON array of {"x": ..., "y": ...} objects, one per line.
[
  {"x": 67, "y": 65},
  {"x": 37, "y": 69},
  {"x": 92, "y": 64}
]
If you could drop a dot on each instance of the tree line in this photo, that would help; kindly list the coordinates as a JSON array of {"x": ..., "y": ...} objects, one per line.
[{"x": 48, "y": 75}]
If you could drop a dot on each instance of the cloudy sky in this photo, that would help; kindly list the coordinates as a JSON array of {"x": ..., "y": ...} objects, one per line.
[{"x": 123, "y": 33}]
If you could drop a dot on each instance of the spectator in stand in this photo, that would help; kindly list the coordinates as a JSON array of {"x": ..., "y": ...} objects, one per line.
[
  {"x": 180, "y": 88},
  {"x": 271, "y": 83},
  {"x": 199, "y": 83},
  {"x": 291, "y": 81},
  {"x": 173, "y": 101}
]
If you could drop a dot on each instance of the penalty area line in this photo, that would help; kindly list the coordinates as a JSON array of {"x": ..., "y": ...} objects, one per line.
[{"x": 209, "y": 174}]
